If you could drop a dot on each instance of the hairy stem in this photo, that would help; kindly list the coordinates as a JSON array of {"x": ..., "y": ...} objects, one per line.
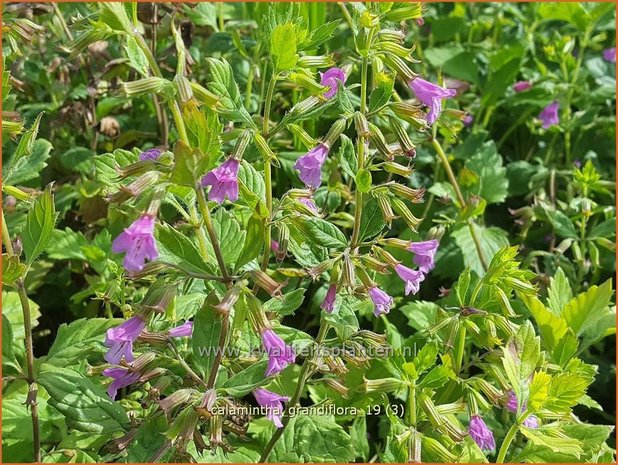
[
  {"x": 358, "y": 195},
  {"x": 32, "y": 388},
  {"x": 305, "y": 372},
  {"x": 460, "y": 199},
  {"x": 201, "y": 201},
  {"x": 508, "y": 439}
]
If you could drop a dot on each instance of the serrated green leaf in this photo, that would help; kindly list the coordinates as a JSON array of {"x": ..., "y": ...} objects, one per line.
[
  {"x": 207, "y": 326},
  {"x": 321, "y": 232},
  {"x": 12, "y": 269},
  {"x": 231, "y": 237},
  {"x": 39, "y": 227},
  {"x": 178, "y": 250},
  {"x": 372, "y": 220},
  {"x": 287, "y": 304},
  {"x": 283, "y": 42},
  {"x": 521, "y": 356},
  {"x": 491, "y": 239},
  {"x": 343, "y": 318},
  {"x": 585, "y": 310},
  {"x": 136, "y": 57},
  {"x": 247, "y": 380},
  {"x": 559, "y": 292},
  {"x": 28, "y": 167},
  {"x": 224, "y": 85},
  {"x": 493, "y": 184},
  {"x": 84, "y": 404}
]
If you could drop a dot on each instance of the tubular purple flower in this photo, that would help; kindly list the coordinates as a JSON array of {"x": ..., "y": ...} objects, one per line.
[
  {"x": 521, "y": 86},
  {"x": 412, "y": 278},
  {"x": 328, "y": 304},
  {"x": 274, "y": 245},
  {"x": 481, "y": 434},
  {"x": 122, "y": 377},
  {"x": 120, "y": 340},
  {"x": 279, "y": 353},
  {"x": 467, "y": 120},
  {"x": 431, "y": 96},
  {"x": 310, "y": 165},
  {"x": 150, "y": 154},
  {"x": 511, "y": 405},
  {"x": 138, "y": 243},
  {"x": 183, "y": 330},
  {"x": 331, "y": 79},
  {"x": 609, "y": 54},
  {"x": 531, "y": 422},
  {"x": 223, "y": 181},
  {"x": 381, "y": 300},
  {"x": 425, "y": 252},
  {"x": 273, "y": 403},
  {"x": 549, "y": 115}
]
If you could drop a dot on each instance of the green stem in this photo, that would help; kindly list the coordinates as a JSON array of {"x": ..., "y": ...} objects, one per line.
[
  {"x": 460, "y": 349},
  {"x": 460, "y": 199},
  {"x": 358, "y": 195},
  {"x": 32, "y": 388},
  {"x": 201, "y": 201},
  {"x": 508, "y": 439},
  {"x": 412, "y": 405},
  {"x": 305, "y": 373}
]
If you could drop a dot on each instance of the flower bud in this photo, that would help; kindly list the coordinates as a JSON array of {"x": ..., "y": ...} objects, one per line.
[
  {"x": 262, "y": 146},
  {"x": 18, "y": 246},
  {"x": 404, "y": 212},
  {"x": 407, "y": 146},
  {"x": 405, "y": 12},
  {"x": 505, "y": 304},
  {"x": 317, "y": 270},
  {"x": 385, "y": 256},
  {"x": 395, "y": 242},
  {"x": 397, "y": 50},
  {"x": 399, "y": 65},
  {"x": 455, "y": 325},
  {"x": 135, "y": 188},
  {"x": 392, "y": 35},
  {"x": 413, "y": 195},
  {"x": 505, "y": 325},
  {"x": 229, "y": 299},
  {"x": 178, "y": 398},
  {"x": 267, "y": 283},
  {"x": 435, "y": 448},
  {"x": 374, "y": 264},
  {"x": 348, "y": 275},
  {"x": 335, "y": 365},
  {"x": 241, "y": 145},
  {"x": 440, "y": 421},
  {"x": 142, "y": 361},
  {"x": 302, "y": 108},
  {"x": 150, "y": 268},
  {"x": 435, "y": 232},
  {"x": 384, "y": 202},
  {"x": 319, "y": 61},
  {"x": 152, "y": 374},
  {"x": 410, "y": 113},
  {"x": 491, "y": 392},
  {"x": 377, "y": 139},
  {"x": 382, "y": 385},
  {"x": 149, "y": 85},
  {"x": 361, "y": 124},
  {"x": 335, "y": 131},
  {"x": 204, "y": 96},
  {"x": 283, "y": 239},
  {"x": 184, "y": 89},
  {"x": 306, "y": 80},
  {"x": 182, "y": 429},
  {"x": 336, "y": 386},
  {"x": 396, "y": 168},
  {"x": 216, "y": 431},
  {"x": 209, "y": 399},
  {"x": 152, "y": 338}
]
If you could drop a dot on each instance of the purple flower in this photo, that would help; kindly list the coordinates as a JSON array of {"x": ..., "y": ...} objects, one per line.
[
  {"x": 549, "y": 115},
  {"x": 279, "y": 353},
  {"x": 425, "y": 252},
  {"x": 330, "y": 79},
  {"x": 138, "y": 243},
  {"x": 122, "y": 377},
  {"x": 467, "y": 120},
  {"x": 274, "y": 245},
  {"x": 120, "y": 340},
  {"x": 185, "y": 329},
  {"x": 431, "y": 96},
  {"x": 309, "y": 203},
  {"x": 411, "y": 277},
  {"x": 381, "y": 300},
  {"x": 609, "y": 54},
  {"x": 273, "y": 402},
  {"x": 224, "y": 181},
  {"x": 328, "y": 304},
  {"x": 150, "y": 154},
  {"x": 532, "y": 421},
  {"x": 481, "y": 434},
  {"x": 310, "y": 165},
  {"x": 521, "y": 86}
]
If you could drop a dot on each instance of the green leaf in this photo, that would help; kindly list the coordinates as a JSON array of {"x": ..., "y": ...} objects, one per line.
[
  {"x": 11, "y": 308},
  {"x": 81, "y": 339},
  {"x": 224, "y": 85},
  {"x": 253, "y": 242},
  {"x": 539, "y": 391},
  {"x": 343, "y": 318},
  {"x": 9, "y": 362},
  {"x": 136, "y": 57},
  {"x": 178, "y": 250},
  {"x": 585, "y": 310},
  {"x": 252, "y": 189},
  {"x": 231, "y": 238},
  {"x": 493, "y": 184},
  {"x": 84, "y": 404},
  {"x": 559, "y": 292},
  {"x": 492, "y": 239},
  {"x": 562, "y": 224},
  {"x": 454, "y": 61},
  {"x": 12, "y": 269},
  {"x": 107, "y": 164},
  {"x": 30, "y": 166},
  {"x": 381, "y": 94},
  {"x": 553, "y": 438},
  {"x": 521, "y": 356},
  {"x": 421, "y": 314},
  {"x": 115, "y": 16},
  {"x": 372, "y": 221},
  {"x": 247, "y": 380},
  {"x": 347, "y": 156},
  {"x": 321, "y": 232},
  {"x": 287, "y": 304},
  {"x": 573, "y": 13},
  {"x": 552, "y": 327},
  {"x": 189, "y": 165},
  {"x": 39, "y": 227},
  {"x": 283, "y": 42},
  {"x": 363, "y": 180},
  {"x": 206, "y": 331}
]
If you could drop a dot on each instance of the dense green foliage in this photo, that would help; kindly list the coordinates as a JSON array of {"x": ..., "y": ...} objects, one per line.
[{"x": 520, "y": 302}]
